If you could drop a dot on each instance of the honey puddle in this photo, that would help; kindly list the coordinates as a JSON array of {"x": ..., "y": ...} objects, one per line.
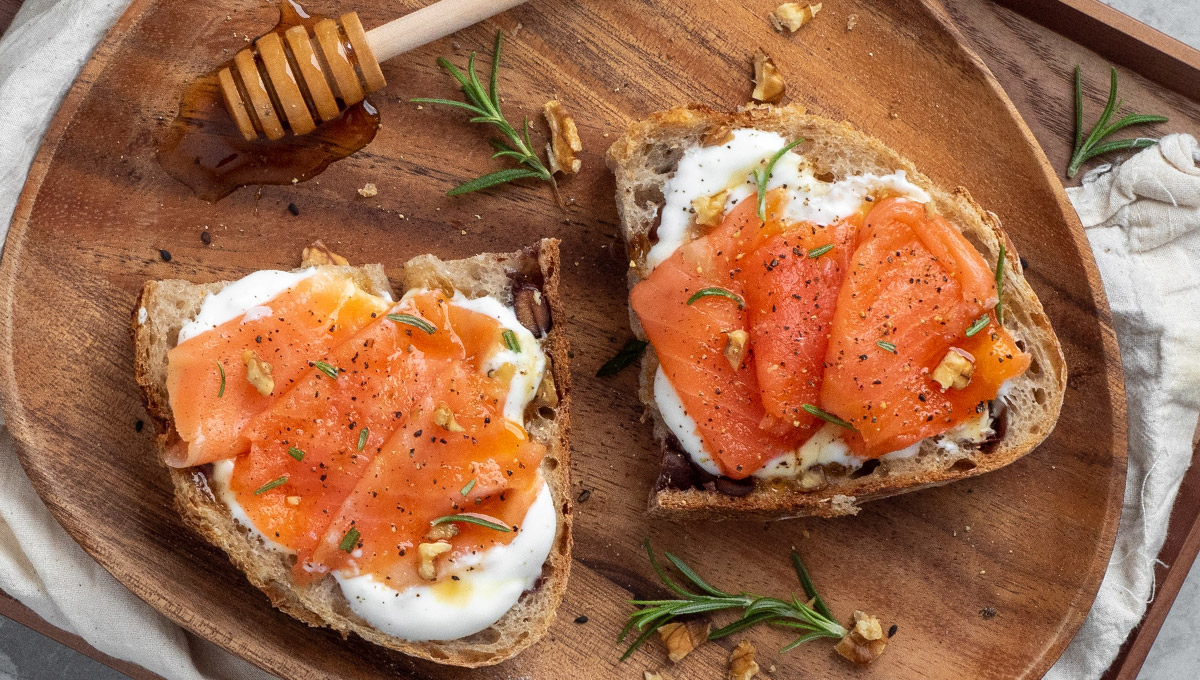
[{"x": 204, "y": 150}]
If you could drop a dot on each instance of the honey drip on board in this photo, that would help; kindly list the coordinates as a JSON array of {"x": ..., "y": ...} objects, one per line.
[{"x": 205, "y": 151}]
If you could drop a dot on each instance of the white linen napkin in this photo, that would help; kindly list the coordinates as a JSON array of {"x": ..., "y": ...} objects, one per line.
[{"x": 1143, "y": 220}]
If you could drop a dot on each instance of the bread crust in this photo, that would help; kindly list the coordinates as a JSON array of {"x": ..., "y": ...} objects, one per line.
[
  {"x": 162, "y": 308},
  {"x": 644, "y": 158}
]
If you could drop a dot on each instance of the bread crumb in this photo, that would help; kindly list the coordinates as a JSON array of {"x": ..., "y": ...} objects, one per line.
[
  {"x": 369, "y": 190},
  {"x": 851, "y": 22}
]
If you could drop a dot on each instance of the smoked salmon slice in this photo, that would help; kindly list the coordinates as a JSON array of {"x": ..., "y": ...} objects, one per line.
[
  {"x": 791, "y": 285},
  {"x": 211, "y": 406},
  {"x": 690, "y": 341},
  {"x": 914, "y": 286}
]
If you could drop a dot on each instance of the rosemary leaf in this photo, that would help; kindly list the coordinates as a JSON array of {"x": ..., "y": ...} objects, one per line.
[
  {"x": 980, "y": 324},
  {"x": 631, "y": 352},
  {"x": 411, "y": 320},
  {"x": 762, "y": 177},
  {"x": 472, "y": 519},
  {"x": 707, "y": 292},
  {"x": 221, "y": 390},
  {"x": 1000, "y": 286},
  {"x": 827, "y": 416}
]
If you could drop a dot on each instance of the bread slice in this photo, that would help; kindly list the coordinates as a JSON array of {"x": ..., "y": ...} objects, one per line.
[
  {"x": 512, "y": 278},
  {"x": 645, "y": 158}
]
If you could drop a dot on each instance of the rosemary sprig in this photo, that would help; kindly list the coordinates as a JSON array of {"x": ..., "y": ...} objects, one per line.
[
  {"x": 762, "y": 177},
  {"x": 631, "y": 352},
  {"x": 484, "y": 105},
  {"x": 811, "y": 620},
  {"x": 1094, "y": 145}
]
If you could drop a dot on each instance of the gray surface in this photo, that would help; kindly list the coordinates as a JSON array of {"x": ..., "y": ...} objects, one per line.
[{"x": 26, "y": 655}]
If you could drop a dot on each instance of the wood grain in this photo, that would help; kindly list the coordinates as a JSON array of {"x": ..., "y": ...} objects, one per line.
[{"x": 98, "y": 208}]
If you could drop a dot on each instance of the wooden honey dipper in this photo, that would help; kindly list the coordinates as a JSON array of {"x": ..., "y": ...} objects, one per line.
[{"x": 305, "y": 78}]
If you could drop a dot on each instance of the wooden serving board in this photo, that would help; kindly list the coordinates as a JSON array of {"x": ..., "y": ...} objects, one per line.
[{"x": 97, "y": 209}]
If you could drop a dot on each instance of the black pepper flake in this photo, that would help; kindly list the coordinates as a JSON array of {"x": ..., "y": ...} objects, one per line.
[
  {"x": 206, "y": 238},
  {"x": 164, "y": 254},
  {"x": 583, "y": 495},
  {"x": 137, "y": 427},
  {"x": 581, "y": 619},
  {"x": 293, "y": 209},
  {"x": 988, "y": 613},
  {"x": 892, "y": 630}
]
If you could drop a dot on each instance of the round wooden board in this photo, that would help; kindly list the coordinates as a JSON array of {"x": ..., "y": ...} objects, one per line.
[{"x": 1029, "y": 542}]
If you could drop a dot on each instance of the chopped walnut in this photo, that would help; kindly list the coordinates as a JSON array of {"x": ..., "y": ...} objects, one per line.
[
  {"x": 768, "y": 81},
  {"x": 443, "y": 417},
  {"x": 428, "y": 554},
  {"x": 742, "y": 665},
  {"x": 565, "y": 145},
  {"x": 319, "y": 254},
  {"x": 442, "y": 532},
  {"x": 865, "y": 641},
  {"x": 682, "y": 638},
  {"x": 647, "y": 675},
  {"x": 710, "y": 209},
  {"x": 258, "y": 372},
  {"x": 369, "y": 190},
  {"x": 735, "y": 347},
  {"x": 955, "y": 370},
  {"x": 813, "y": 479},
  {"x": 547, "y": 394},
  {"x": 790, "y": 16},
  {"x": 716, "y": 136}
]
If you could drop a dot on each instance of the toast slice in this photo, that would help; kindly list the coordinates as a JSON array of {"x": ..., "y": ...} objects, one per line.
[
  {"x": 644, "y": 158},
  {"x": 510, "y": 277}
]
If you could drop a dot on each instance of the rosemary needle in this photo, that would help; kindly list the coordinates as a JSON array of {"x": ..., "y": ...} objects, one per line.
[
  {"x": 484, "y": 105},
  {"x": 1093, "y": 145}
]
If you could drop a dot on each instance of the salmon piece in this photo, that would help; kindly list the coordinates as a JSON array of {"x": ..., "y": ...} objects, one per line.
[
  {"x": 391, "y": 378},
  {"x": 303, "y": 323},
  {"x": 913, "y": 281},
  {"x": 790, "y": 301},
  {"x": 690, "y": 341}
]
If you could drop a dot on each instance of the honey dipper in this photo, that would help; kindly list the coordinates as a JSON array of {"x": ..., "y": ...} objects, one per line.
[{"x": 308, "y": 76}]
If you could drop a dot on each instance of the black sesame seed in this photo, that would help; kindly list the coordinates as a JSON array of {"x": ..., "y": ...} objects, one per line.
[
  {"x": 293, "y": 209},
  {"x": 892, "y": 630},
  {"x": 584, "y": 495},
  {"x": 581, "y": 619},
  {"x": 137, "y": 427},
  {"x": 206, "y": 238},
  {"x": 164, "y": 254}
]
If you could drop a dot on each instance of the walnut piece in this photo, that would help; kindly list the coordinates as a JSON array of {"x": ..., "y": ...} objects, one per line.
[
  {"x": 369, "y": 190},
  {"x": 565, "y": 145},
  {"x": 443, "y": 417},
  {"x": 790, "y": 16},
  {"x": 865, "y": 641},
  {"x": 813, "y": 479},
  {"x": 735, "y": 347},
  {"x": 768, "y": 81},
  {"x": 547, "y": 393},
  {"x": 717, "y": 135},
  {"x": 682, "y": 638},
  {"x": 710, "y": 209},
  {"x": 955, "y": 370},
  {"x": 319, "y": 254},
  {"x": 742, "y": 665},
  {"x": 428, "y": 554},
  {"x": 442, "y": 532},
  {"x": 258, "y": 373},
  {"x": 647, "y": 675}
]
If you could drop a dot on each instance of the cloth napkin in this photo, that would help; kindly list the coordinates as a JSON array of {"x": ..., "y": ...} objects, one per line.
[{"x": 1142, "y": 217}]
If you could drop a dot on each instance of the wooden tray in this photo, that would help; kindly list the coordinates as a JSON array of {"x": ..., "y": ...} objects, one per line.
[{"x": 97, "y": 209}]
